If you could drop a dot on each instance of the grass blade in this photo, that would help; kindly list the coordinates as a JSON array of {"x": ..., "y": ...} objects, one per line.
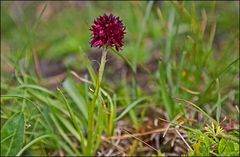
[
  {"x": 42, "y": 89},
  {"x": 168, "y": 103},
  {"x": 73, "y": 118},
  {"x": 31, "y": 143},
  {"x": 76, "y": 96},
  {"x": 130, "y": 107}
]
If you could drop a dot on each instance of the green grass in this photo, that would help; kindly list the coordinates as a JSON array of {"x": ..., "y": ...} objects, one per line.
[{"x": 179, "y": 57}]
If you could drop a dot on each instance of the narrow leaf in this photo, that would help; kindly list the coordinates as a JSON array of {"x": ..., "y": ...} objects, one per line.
[
  {"x": 71, "y": 89},
  {"x": 130, "y": 107}
]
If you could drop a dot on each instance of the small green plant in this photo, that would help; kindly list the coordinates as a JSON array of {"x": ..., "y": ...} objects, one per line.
[
  {"x": 107, "y": 31},
  {"x": 213, "y": 142}
]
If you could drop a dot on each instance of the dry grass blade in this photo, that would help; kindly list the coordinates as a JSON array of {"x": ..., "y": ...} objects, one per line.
[
  {"x": 140, "y": 140},
  {"x": 183, "y": 139},
  {"x": 120, "y": 149},
  {"x": 165, "y": 132},
  {"x": 198, "y": 109},
  {"x": 139, "y": 134},
  {"x": 80, "y": 78}
]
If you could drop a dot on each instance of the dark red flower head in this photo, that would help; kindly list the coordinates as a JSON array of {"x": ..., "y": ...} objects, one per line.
[{"x": 108, "y": 30}]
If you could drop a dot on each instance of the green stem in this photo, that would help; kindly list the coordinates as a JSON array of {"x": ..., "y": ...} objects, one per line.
[{"x": 93, "y": 104}]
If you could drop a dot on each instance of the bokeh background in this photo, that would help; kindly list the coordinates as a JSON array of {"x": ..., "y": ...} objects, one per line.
[
  {"x": 42, "y": 42},
  {"x": 62, "y": 33}
]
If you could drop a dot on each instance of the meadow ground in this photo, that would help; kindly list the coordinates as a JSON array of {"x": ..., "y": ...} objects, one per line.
[{"x": 173, "y": 89}]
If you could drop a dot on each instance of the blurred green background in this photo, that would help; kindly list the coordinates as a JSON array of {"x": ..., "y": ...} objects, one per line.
[
  {"x": 196, "y": 42},
  {"x": 57, "y": 34}
]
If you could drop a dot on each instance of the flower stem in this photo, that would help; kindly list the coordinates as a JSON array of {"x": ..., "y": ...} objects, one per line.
[{"x": 90, "y": 143}]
